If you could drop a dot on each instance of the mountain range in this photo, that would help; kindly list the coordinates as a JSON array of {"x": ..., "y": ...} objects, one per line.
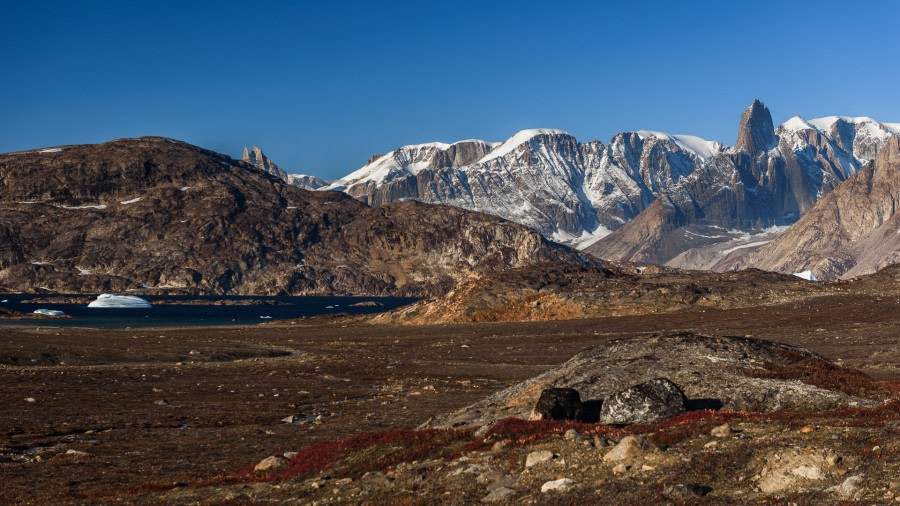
[{"x": 645, "y": 196}]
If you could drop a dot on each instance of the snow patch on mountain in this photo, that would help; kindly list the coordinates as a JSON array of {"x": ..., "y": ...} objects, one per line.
[
  {"x": 517, "y": 140},
  {"x": 701, "y": 147}
]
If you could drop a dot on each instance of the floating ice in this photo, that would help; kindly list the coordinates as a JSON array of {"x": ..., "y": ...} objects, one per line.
[
  {"x": 49, "y": 312},
  {"x": 109, "y": 300}
]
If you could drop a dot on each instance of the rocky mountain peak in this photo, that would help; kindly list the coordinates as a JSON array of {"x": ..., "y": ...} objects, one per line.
[
  {"x": 259, "y": 160},
  {"x": 756, "y": 132}
]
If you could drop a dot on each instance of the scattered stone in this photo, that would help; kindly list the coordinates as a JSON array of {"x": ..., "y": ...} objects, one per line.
[
  {"x": 686, "y": 491},
  {"x": 629, "y": 447},
  {"x": 289, "y": 455},
  {"x": 558, "y": 404},
  {"x": 161, "y": 402},
  {"x": 602, "y": 441},
  {"x": 807, "y": 429},
  {"x": 76, "y": 453},
  {"x": 499, "y": 494},
  {"x": 645, "y": 403},
  {"x": 574, "y": 435},
  {"x": 559, "y": 485},
  {"x": 711, "y": 444},
  {"x": 490, "y": 476},
  {"x": 30, "y": 399},
  {"x": 723, "y": 430},
  {"x": 539, "y": 457},
  {"x": 795, "y": 469},
  {"x": 620, "y": 468},
  {"x": 849, "y": 488},
  {"x": 270, "y": 464}
]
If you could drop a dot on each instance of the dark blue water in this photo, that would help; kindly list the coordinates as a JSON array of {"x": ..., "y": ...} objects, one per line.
[{"x": 203, "y": 311}]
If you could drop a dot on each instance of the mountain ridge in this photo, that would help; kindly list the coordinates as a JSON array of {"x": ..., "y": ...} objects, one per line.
[{"x": 578, "y": 193}]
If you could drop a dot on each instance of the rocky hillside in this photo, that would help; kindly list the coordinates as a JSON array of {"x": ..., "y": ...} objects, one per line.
[
  {"x": 766, "y": 182},
  {"x": 157, "y": 214},
  {"x": 851, "y": 231},
  {"x": 553, "y": 291}
]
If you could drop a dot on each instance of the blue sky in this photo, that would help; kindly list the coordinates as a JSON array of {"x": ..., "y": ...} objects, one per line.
[{"x": 321, "y": 87}]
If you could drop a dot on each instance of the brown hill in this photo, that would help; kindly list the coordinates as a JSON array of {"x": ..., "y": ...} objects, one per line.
[
  {"x": 153, "y": 213},
  {"x": 555, "y": 291}
]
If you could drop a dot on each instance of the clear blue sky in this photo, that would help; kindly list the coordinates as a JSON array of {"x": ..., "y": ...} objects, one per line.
[{"x": 320, "y": 86}]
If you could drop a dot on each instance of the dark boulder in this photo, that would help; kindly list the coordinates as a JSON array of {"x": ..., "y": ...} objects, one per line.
[
  {"x": 558, "y": 404},
  {"x": 649, "y": 402}
]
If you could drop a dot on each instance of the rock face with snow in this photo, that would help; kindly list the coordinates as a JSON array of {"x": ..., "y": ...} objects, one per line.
[
  {"x": 853, "y": 230},
  {"x": 768, "y": 180},
  {"x": 699, "y": 203},
  {"x": 569, "y": 191},
  {"x": 108, "y": 300},
  {"x": 258, "y": 159},
  {"x": 157, "y": 214}
]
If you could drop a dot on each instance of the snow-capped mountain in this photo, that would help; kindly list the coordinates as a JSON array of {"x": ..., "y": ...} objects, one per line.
[
  {"x": 578, "y": 193},
  {"x": 770, "y": 178},
  {"x": 543, "y": 178}
]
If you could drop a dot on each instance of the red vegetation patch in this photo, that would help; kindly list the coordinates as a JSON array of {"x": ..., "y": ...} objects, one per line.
[
  {"x": 814, "y": 370},
  {"x": 372, "y": 451},
  {"x": 406, "y": 446}
]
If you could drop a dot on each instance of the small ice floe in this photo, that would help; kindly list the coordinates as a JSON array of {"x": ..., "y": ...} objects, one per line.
[
  {"x": 109, "y": 300},
  {"x": 329, "y": 307},
  {"x": 4, "y": 300},
  {"x": 807, "y": 275},
  {"x": 51, "y": 150},
  {"x": 49, "y": 312},
  {"x": 132, "y": 201},
  {"x": 265, "y": 317}
]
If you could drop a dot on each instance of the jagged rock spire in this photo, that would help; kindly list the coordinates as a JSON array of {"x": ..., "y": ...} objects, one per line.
[
  {"x": 756, "y": 133},
  {"x": 259, "y": 160}
]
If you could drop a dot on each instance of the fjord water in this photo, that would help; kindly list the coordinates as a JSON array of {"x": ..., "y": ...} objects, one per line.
[{"x": 188, "y": 310}]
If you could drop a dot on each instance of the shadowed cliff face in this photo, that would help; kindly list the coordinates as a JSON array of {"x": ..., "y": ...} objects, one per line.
[
  {"x": 156, "y": 213},
  {"x": 756, "y": 132},
  {"x": 853, "y": 230},
  {"x": 769, "y": 179}
]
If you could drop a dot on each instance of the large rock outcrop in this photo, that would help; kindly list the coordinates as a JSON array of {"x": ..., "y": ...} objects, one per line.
[{"x": 714, "y": 372}]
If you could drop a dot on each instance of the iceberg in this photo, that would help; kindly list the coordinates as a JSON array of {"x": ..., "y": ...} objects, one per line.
[
  {"x": 109, "y": 300},
  {"x": 49, "y": 312}
]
